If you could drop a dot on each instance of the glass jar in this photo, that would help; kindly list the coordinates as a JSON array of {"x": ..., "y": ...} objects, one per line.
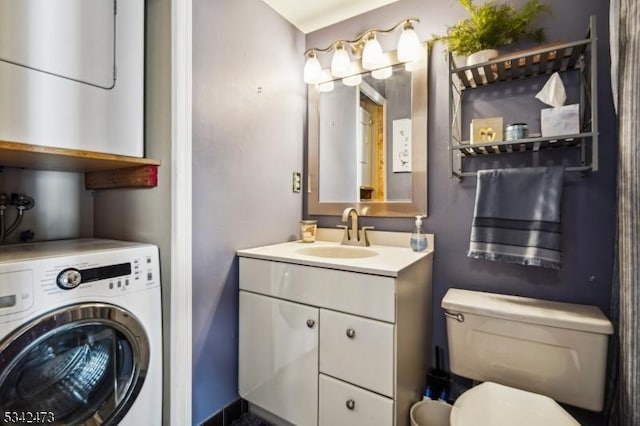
[
  {"x": 516, "y": 131},
  {"x": 308, "y": 230}
]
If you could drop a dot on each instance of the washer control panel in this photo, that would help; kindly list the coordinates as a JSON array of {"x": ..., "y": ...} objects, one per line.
[
  {"x": 137, "y": 272},
  {"x": 70, "y": 278}
]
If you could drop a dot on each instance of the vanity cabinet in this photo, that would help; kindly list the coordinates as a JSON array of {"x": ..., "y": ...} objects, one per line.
[{"x": 320, "y": 346}]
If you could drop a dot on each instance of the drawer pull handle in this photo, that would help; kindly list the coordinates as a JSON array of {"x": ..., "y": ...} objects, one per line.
[
  {"x": 310, "y": 323},
  {"x": 351, "y": 404},
  {"x": 351, "y": 333}
]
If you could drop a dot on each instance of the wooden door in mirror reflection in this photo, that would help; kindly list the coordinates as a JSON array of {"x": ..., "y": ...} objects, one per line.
[{"x": 373, "y": 184}]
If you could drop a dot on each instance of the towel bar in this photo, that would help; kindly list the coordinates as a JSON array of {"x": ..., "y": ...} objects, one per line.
[{"x": 582, "y": 169}]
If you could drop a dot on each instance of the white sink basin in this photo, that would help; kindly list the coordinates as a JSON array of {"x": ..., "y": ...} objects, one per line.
[
  {"x": 337, "y": 252},
  {"x": 388, "y": 254}
]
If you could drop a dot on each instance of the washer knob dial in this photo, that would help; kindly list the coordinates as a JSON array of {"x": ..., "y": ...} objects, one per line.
[{"x": 69, "y": 279}]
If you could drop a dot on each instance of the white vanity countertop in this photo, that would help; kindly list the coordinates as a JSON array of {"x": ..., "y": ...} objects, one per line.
[{"x": 389, "y": 261}]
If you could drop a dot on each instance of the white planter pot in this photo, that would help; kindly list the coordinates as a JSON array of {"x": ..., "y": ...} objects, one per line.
[
  {"x": 459, "y": 61},
  {"x": 481, "y": 56},
  {"x": 478, "y": 58}
]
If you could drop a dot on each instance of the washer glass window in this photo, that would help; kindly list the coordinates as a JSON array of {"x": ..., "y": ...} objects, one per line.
[{"x": 82, "y": 364}]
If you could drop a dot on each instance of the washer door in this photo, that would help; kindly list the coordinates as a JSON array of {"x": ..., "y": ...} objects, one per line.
[{"x": 82, "y": 364}]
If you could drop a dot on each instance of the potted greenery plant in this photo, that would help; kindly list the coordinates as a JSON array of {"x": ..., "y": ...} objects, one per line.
[{"x": 490, "y": 26}]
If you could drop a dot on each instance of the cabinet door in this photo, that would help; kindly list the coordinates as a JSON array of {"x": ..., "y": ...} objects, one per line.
[
  {"x": 278, "y": 351},
  {"x": 342, "y": 404}
]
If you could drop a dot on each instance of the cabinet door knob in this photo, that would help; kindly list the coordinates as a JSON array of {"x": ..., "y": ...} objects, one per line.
[
  {"x": 310, "y": 323},
  {"x": 351, "y": 404},
  {"x": 351, "y": 333}
]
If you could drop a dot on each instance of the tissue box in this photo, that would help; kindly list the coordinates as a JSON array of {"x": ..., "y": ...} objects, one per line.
[{"x": 560, "y": 121}]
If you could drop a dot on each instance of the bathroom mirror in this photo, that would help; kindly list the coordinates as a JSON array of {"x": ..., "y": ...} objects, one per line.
[{"x": 368, "y": 145}]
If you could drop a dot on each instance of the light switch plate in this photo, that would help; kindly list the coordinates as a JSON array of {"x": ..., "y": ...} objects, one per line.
[{"x": 297, "y": 182}]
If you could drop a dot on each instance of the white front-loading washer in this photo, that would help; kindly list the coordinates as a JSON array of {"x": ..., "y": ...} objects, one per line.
[{"x": 80, "y": 333}]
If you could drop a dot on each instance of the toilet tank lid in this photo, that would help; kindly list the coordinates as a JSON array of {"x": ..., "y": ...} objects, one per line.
[{"x": 524, "y": 309}]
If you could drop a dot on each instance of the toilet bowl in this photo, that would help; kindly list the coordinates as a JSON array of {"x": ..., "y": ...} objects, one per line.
[
  {"x": 492, "y": 404},
  {"x": 529, "y": 353}
]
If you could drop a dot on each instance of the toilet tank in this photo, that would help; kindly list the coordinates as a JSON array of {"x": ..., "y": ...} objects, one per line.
[{"x": 551, "y": 348}]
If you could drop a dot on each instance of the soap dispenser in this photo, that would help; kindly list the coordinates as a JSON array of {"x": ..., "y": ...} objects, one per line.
[{"x": 418, "y": 239}]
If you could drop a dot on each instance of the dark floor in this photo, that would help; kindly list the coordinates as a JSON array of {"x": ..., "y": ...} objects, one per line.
[
  {"x": 248, "y": 419},
  {"x": 236, "y": 415}
]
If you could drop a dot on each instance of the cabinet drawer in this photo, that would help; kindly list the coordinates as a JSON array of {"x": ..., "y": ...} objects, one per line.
[
  {"x": 357, "y": 350},
  {"x": 325, "y": 288},
  {"x": 345, "y": 404}
]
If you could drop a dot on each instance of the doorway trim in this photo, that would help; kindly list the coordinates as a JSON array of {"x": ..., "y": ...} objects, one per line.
[{"x": 180, "y": 321}]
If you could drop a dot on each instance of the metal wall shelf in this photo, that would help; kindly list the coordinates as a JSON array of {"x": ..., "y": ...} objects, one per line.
[
  {"x": 528, "y": 144},
  {"x": 578, "y": 56},
  {"x": 554, "y": 58}
]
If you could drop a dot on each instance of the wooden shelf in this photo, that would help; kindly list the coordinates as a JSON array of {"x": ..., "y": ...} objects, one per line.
[
  {"x": 25, "y": 156},
  {"x": 116, "y": 171}
]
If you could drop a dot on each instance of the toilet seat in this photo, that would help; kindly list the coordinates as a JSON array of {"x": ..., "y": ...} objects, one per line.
[{"x": 492, "y": 404}]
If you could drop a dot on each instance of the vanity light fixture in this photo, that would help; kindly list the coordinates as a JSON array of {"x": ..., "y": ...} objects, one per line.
[
  {"x": 372, "y": 52},
  {"x": 366, "y": 47},
  {"x": 327, "y": 86},
  {"x": 312, "y": 68},
  {"x": 340, "y": 64},
  {"x": 353, "y": 80},
  {"x": 409, "y": 49},
  {"x": 382, "y": 73}
]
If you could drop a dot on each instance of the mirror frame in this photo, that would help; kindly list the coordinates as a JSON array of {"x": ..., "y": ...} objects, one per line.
[{"x": 418, "y": 203}]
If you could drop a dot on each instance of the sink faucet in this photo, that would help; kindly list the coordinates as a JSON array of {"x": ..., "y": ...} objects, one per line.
[{"x": 352, "y": 236}]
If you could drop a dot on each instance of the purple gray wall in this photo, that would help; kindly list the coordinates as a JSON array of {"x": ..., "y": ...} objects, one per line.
[
  {"x": 249, "y": 116},
  {"x": 249, "y": 106},
  {"x": 588, "y": 206}
]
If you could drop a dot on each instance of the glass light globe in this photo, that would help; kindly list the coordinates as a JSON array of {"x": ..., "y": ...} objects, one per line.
[
  {"x": 312, "y": 69},
  {"x": 372, "y": 54},
  {"x": 382, "y": 73},
  {"x": 325, "y": 87},
  {"x": 354, "y": 80},
  {"x": 340, "y": 64},
  {"x": 409, "y": 46}
]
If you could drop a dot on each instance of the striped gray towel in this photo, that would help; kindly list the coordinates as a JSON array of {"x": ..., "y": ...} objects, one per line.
[{"x": 517, "y": 216}]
